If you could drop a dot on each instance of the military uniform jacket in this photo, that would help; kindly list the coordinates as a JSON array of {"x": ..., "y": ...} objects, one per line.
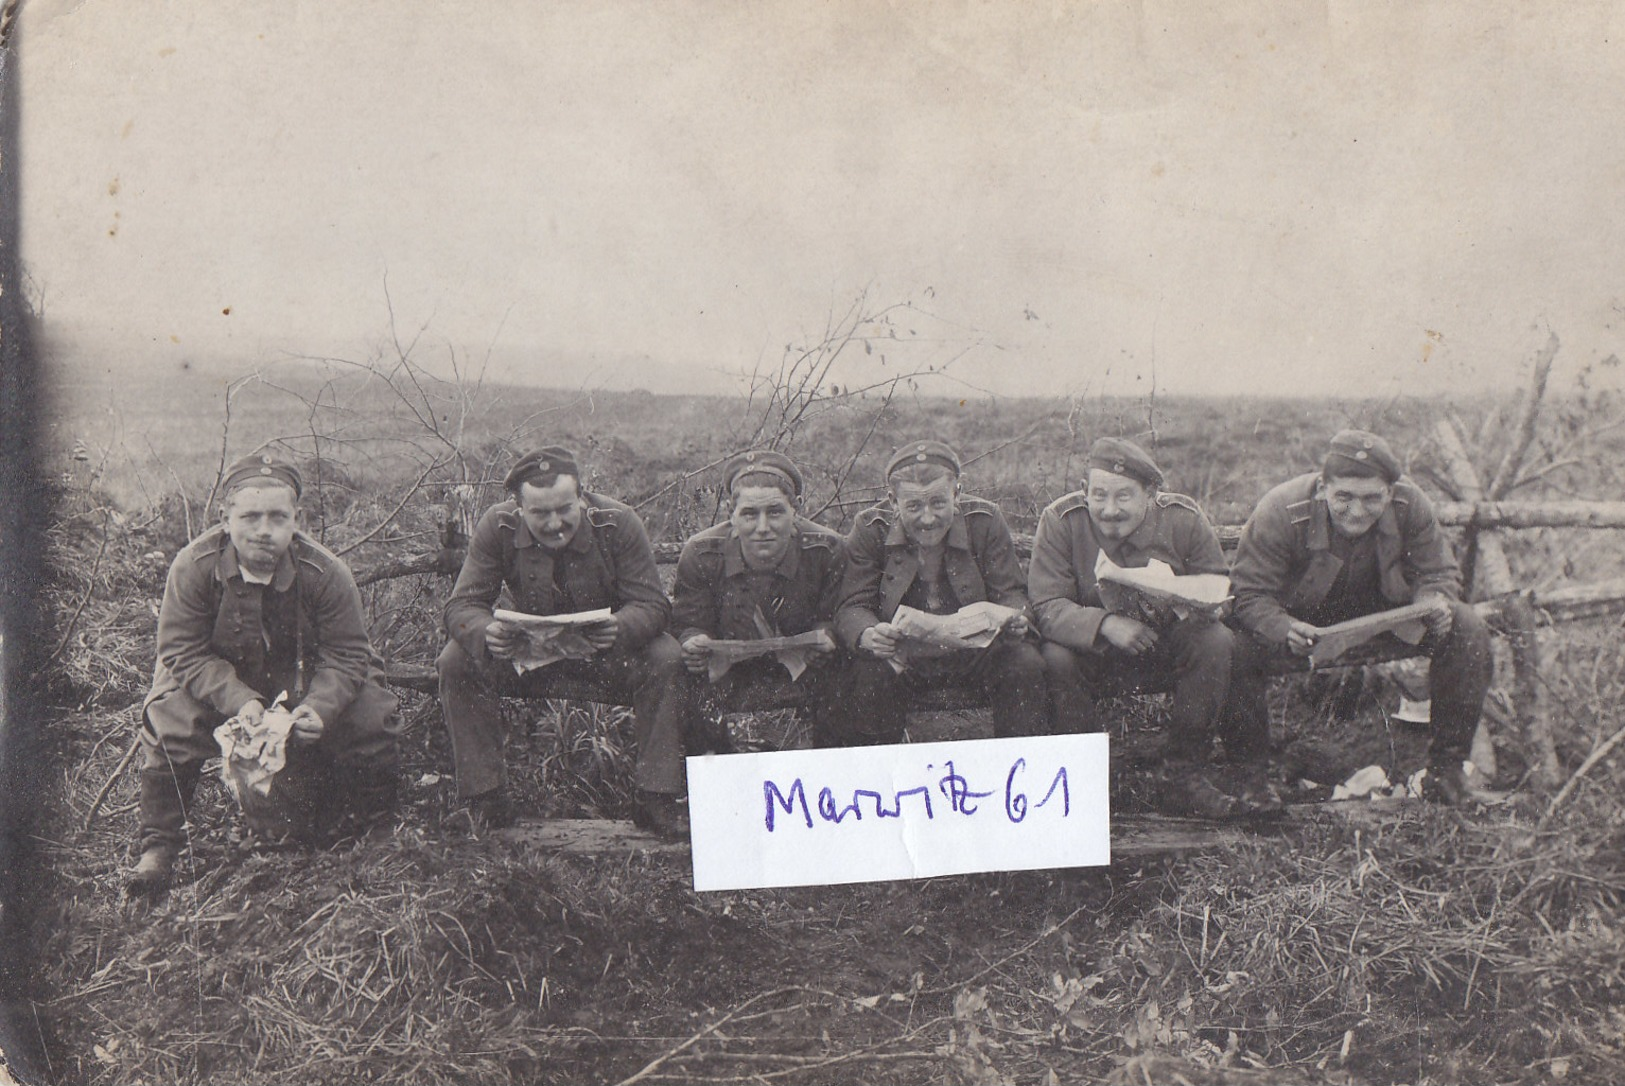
[
  {"x": 713, "y": 594},
  {"x": 1284, "y": 565},
  {"x": 612, "y": 565},
  {"x": 979, "y": 562},
  {"x": 213, "y": 635},
  {"x": 1061, "y": 578}
]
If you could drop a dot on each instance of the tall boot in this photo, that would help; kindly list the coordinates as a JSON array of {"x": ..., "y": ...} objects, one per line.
[
  {"x": 166, "y": 797},
  {"x": 368, "y": 798}
]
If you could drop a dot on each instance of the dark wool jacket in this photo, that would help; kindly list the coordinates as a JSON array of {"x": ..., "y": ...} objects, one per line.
[
  {"x": 226, "y": 642},
  {"x": 1284, "y": 566},
  {"x": 1061, "y": 578},
  {"x": 612, "y": 566},
  {"x": 713, "y": 594},
  {"x": 881, "y": 564}
]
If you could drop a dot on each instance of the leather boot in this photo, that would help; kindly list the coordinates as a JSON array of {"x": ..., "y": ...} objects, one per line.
[
  {"x": 368, "y": 795},
  {"x": 166, "y": 796}
]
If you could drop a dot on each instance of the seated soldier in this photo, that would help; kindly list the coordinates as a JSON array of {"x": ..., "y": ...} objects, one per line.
[
  {"x": 930, "y": 549},
  {"x": 1124, "y": 513},
  {"x": 765, "y": 572},
  {"x": 560, "y": 549},
  {"x": 1354, "y": 538},
  {"x": 254, "y": 608}
]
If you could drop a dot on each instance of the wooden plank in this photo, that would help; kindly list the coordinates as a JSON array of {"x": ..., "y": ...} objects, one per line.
[{"x": 592, "y": 836}]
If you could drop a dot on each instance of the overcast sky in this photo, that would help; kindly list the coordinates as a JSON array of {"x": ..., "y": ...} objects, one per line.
[{"x": 1344, "y": 198}]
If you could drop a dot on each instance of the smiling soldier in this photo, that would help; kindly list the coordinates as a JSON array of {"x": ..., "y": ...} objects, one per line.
[
  {"x": 1352, "y": 539},
  {"x": 1123, "y": 512},
  {"x": 254, "y": 608},
  {"x": 932, "y": 549},
  {"x": 560, "y": 549},
  {"x": 766, "y": 571}
]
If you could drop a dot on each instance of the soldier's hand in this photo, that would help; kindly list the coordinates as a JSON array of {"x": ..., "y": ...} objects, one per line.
[
  {"x": 1442, "y": 619},
  {"x": 1128, "y": 634},
  {"x": 252, "y": 713},
  {"x": 1017, "y": 627},
  {"x": 603, "y": 635},
  {"x": 307, "y": 725},
  {"x": 1300, "y": 637},
  {"x": 881, "y": 640},
  {"x": 696, "y": 650},
  {"x": 503, "y": 640}
]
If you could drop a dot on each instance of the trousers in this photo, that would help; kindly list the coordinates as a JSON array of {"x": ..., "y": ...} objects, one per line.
[
  {"x": 1193, "y": 656},
  {"x": 649, "y": 677},
  {"x": 873, "y": 699},
  {"x": 1462, "y": 667}
]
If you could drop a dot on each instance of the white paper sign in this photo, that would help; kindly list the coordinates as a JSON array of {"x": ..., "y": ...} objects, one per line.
[{"x": 859, "y": 814}]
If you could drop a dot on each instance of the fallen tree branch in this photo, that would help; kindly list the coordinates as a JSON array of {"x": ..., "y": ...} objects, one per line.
[
  {"x": 1592, "y": 759},
  {"x": 118, "y": 771},
  {"x": 1524, "y": 434},
  {"x": 654, "y": 1065}
]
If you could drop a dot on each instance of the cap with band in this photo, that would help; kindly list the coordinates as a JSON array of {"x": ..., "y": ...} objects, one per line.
[
  {"x": 545, "y": 463},
  {"x": 1120, "y": 456},
  {"x": 770, "y": 461},
  {"x": 262, "y": 469},
  {"x": 923, "y": 452},
  {"x": 1361, "y": 449}
]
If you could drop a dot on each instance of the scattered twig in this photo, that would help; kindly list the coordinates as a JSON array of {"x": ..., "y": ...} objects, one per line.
[
  {"x": 1592, "y": 759},
  {"x": 974, "y": 977},
  {"x": 112, "y": 778},
  {"x": 90, "y": 588},
  {"x": 654, "y": 1064}
]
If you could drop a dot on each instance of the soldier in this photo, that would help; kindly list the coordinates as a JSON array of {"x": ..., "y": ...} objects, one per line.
[
  {"x": 765, "y": 572},
  {"x": 561, "y": 549},
  {"x": 1354, "y": 538},
  {"x": 254, "y": 608},
  {"x": 1124, "y": 513},
  {"x": 934, "y": 550}
]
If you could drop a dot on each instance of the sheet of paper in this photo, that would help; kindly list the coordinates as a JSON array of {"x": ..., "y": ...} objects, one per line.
[
  {"x": 974, "y": 626},
  {"x": 1404, "y": 623},
  {"x": 250, "y": 758},
  {"x": 815, "y": 817},
  {"x": 1155, "y": 594},
  {"x": 794, "y": 652},
  {"x": 551, "y": 638}
]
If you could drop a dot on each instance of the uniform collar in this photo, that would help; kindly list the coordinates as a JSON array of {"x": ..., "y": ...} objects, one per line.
[
  {"x": 958, "y": 534},
  {"x": 280, "y": 579},
  {"x": 579, "y": 543},
  {"x": 733, "y": 556}
]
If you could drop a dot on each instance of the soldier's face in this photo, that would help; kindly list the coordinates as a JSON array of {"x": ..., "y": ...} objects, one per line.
[
  {"x": 766, "y": 523},
  {"x": 552, "y": 513},
  {"x": 261, "y": 521},
  {"x": 1356, "y": 503},
  {"x": 926, "y": 511},
  {"x": 1117, "y": 504}
]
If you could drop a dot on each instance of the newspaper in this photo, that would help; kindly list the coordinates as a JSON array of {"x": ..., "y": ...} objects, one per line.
[
  {"x": 1405, "y": 623},
  {"x": 1156, "y": 595},
  {"x": 551, "y": 638},
  {"x": 251, "y": 757},
  {"x": 974, "y": 626},
  {"x": 794, "y": 652}
]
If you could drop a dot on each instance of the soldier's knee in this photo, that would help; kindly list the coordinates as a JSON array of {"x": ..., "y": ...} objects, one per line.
[
  {"x": 1025, "y": 659},
  {"x": 1207, "y": 640},
  {"x": 454, "y": 663},
  {"x": 1058, "y": 659},
  {"x": 664, "y": 653}
]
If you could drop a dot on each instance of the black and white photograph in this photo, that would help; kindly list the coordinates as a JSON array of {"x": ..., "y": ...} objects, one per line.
[{"x": 906, "y": 542}]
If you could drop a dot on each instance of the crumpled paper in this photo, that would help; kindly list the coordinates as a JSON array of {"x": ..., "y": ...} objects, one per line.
[
  {"x": 551, "y": 638},
  {"x": 1157, "y": 596},
  {"x": 251, "y": 757},
  {"x": 974, "y": 626}
]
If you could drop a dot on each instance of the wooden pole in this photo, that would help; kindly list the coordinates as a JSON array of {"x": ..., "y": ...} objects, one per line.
[{"x": 1493, "y": 577}]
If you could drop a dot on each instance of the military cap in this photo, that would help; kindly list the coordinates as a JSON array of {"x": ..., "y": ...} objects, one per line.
[
  {"x": 1361, "y": 449},
  {"x": 544, "y": 463},
  {"x": 923, "y": 452},
  {"x": 768, "y": 460},
  {"x": 1121, "y": 456},
  {"x": 262, "y": 469}
]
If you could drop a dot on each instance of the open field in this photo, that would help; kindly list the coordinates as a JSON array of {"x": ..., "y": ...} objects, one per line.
[{"x": 1435, "y": 946}]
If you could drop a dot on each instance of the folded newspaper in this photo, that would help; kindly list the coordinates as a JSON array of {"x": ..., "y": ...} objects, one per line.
[
  {"x": 1156, "y": 595},
  {"x": 551, "y": 638},
  {"x": 794, "y": 652},
  {"x": 974, "y": 626},
  {"x": 1406, "y": 623},
  {"x": 251, "y": 757}
]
